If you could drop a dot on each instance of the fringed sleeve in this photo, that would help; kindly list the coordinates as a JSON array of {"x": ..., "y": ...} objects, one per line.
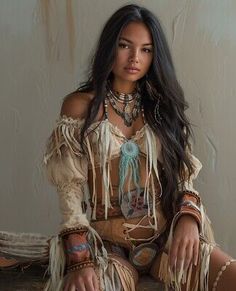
[
  {"x": 191, "y": 202},
  {"x": 67, "y": 169}
]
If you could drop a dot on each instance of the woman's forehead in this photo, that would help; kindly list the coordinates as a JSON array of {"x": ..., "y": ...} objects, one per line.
[{"x": 136, "y": 32}]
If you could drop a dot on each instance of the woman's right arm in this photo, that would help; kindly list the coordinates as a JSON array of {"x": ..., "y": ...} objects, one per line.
[{"x": 67, "y": 169}]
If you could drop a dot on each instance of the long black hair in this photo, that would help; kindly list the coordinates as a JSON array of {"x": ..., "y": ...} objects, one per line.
[{"x": 174, "y": 130}]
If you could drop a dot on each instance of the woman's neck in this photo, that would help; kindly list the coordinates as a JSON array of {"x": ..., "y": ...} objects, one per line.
[{"x": 123, "y": 87}]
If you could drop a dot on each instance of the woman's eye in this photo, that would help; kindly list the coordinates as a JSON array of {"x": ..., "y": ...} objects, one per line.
[
  {"x": 146, "y": 50},
  {"x": 123, "y": 45}
]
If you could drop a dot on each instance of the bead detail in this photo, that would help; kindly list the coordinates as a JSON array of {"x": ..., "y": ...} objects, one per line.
[
  {"x": 78, "y": 248},
  {"x": 71, "y": 230},
  {"x": 80, "y": 265},
  {"x": 223, "y": 268}
]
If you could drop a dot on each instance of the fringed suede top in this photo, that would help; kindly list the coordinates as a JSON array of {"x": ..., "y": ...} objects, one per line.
[{"x": 67, "y": 168}]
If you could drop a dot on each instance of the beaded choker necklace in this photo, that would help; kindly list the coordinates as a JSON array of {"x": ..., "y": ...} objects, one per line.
[
  {"x": 123, "y": 97},
  {"x": 128, "y": 114}
]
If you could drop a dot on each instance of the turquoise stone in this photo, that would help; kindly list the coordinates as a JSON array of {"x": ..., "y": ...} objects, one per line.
[{"x": 130, "y": 149}]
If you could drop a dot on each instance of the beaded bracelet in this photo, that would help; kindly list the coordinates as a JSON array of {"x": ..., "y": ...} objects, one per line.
[
  {"x": 71, "y": 230},
  {"x": 78, "y": 248},
  {"x": 190, "y": 205},
  {"x": 195, "y": 214},
  {"x": 185, "y": 210},
  {"x": 80, "y": 265}
]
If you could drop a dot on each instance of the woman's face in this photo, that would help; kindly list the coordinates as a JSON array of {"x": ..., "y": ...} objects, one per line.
[{"x": 134, "y": 53}]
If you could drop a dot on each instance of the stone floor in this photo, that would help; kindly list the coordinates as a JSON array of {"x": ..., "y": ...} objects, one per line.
[{"x": 31, "y": 280}]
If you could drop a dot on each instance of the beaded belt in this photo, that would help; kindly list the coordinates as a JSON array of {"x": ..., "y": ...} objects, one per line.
[{"x": 136, "y": 208}]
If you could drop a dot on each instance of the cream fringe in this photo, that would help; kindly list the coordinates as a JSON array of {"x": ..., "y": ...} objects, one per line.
[
  {"x": 126, "y": 278},
  {"x": 107, "y": 272},
  {"x": 176, "y": 279},
  {"x": 151, "y": 165},
  {"x": 66, "y": 134},
  {"x": 56, "y": 267},
  {"x": 57, "y": 260}
]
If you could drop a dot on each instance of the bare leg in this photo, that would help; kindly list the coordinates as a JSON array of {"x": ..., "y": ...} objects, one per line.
[{"x": 227, "y": 280}]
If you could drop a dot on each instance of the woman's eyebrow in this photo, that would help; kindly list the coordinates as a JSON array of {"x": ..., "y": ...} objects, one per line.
[{"x": 129, "y": 41}]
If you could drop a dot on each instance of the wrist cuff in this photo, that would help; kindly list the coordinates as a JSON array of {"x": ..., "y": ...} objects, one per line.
[
  {"x": 190, "y": 205},
  {"x": 77, "y": 248}
]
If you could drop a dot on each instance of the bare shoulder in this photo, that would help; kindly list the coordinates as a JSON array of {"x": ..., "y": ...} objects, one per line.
[{"x": 76, "y": 104}]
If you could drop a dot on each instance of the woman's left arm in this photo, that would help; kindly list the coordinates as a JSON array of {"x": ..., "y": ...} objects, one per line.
[{"x": 187, "y": 224}]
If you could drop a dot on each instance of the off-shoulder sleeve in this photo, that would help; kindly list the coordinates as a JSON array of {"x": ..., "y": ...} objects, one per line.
[{"x": 67, "y": 169}]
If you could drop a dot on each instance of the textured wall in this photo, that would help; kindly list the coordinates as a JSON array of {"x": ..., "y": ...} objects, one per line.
[{"x": 39, "y": 66}]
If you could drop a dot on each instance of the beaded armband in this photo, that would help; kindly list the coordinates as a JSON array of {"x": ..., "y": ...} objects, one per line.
[
  {"x": 76, "y": 245},
  {"x": 190, "y": 205},
  {"x": 78, "y": 248},
  {"x": 67, "y": 231}
]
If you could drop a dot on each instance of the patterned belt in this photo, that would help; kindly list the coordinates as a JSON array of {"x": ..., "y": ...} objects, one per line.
[{"x": 113, "y": 212}]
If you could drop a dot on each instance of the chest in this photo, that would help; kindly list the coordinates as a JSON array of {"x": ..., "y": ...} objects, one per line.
[{"x": 127, "y": 131}]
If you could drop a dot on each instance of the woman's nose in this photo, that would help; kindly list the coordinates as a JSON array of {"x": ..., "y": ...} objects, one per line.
[{"x": 134, "y": 56}]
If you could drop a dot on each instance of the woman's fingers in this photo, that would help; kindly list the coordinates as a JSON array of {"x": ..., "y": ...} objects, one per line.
[
  {"x": 95, "y": 283},
  {"x": 181, "y": 254},
  {"x": 89, "y": 284},
  {"x": 196, "y": 252},
  {"x": 67, "y": 286},
  {"x": 72, "y": 287},
  {"x": 81, "y": 287},
  {"x": 189, "y": 255},
  {"x": 83, "y": 280},
  {"x": 173, "y": 253},
  {"x": 185, "y": 245}
]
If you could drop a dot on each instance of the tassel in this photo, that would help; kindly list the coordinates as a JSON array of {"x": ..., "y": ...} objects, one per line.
[
  {"x": 56, "y": 265},
  {"x": 164, "y": 269},
  {"x": 125, "y": 275},
  {"x": 94, "y": 195},
  {"x": 64, "y": 134},
  {"x": 151, "y": 166},
  {"x": 176, "y": 279},
  {"x": 104, "y": 153}
]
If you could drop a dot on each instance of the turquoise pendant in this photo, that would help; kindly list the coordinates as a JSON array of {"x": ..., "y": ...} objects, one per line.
[
  {"x": 129, "y": 150},
  {"x": 129, "y": 166}
]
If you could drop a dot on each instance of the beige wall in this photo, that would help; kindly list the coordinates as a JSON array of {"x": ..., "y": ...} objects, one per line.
[{"x": 39, "y": 67}]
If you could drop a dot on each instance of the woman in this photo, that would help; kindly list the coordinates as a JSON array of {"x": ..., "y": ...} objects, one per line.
[{"x": 121, "y": 160}]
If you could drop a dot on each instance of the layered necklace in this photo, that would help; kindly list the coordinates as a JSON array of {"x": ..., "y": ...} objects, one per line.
[{"x": 128, "y": 114}]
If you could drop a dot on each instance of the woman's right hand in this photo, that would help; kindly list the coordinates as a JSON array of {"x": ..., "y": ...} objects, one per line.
[{"x": 82, "y": 280}]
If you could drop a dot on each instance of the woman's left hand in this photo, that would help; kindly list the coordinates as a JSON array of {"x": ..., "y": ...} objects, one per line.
[{"x": 185, "y": 244}]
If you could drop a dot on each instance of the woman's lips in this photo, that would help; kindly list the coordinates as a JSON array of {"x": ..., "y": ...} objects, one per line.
[{"x": 132, "y": 70}]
